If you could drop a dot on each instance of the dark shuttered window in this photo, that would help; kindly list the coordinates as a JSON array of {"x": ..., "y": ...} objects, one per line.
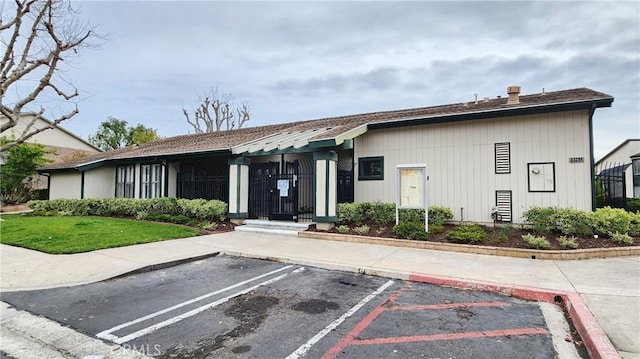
[
  {"x": 503, "y": 157},
  {"x": 503, "y": 204}
]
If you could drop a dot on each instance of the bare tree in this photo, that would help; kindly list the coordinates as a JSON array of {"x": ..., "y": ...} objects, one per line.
[
  {"x": 217, "y": 112},
  {"x": 38, "y": 36}
]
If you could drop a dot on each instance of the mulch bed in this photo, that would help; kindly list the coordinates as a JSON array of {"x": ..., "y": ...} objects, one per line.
[{"x": 495, "y": 237}]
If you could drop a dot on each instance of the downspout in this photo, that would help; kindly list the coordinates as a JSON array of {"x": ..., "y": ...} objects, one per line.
[
  {"x": 82, "y": 185},
  {"x": 48, "y": 185},
  {"x": 592, "y": 159}
]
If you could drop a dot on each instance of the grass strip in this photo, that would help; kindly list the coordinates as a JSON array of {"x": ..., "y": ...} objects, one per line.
[{"x": 70, "y": 234}]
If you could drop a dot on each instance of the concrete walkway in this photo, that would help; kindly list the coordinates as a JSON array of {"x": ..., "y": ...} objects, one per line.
[{"x": 609, "y": 287}]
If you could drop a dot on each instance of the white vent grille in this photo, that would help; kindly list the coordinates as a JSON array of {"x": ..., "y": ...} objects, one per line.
[
  {"x": 503, "y": 202},
  {"x": 503, "y": 157}
]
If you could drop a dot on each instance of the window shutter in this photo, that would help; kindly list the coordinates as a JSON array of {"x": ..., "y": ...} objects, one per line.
[
  {"x": 503, "y": 157},
  {"x": 503, "y": 202}
]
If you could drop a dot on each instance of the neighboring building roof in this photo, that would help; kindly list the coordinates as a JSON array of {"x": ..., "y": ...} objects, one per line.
[
  {"x": 38, "y": 138},
  {"x": 613, "y": 151},
  {"x": 329, "y": 132}
]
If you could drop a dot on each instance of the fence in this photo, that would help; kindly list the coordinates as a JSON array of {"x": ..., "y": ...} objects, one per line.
[{"x": 611, "y": 189}]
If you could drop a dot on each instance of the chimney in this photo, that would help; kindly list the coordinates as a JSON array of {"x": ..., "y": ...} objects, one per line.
[{"x": 514, "y": 92}]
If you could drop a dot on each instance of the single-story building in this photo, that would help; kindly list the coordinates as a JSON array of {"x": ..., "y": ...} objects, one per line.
[
  {"x": 507, "y": 153},
  {"x": 622, "y": 166}
]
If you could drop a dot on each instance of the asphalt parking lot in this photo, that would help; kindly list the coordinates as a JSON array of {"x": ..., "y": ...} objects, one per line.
[{"x": 226, "y": 307}]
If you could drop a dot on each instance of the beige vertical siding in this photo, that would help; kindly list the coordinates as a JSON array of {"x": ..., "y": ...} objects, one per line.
[
  {"x": 460, "y": 160},
  {"x": 65, "y": 185},
  {"x": 100, "y": 182}
]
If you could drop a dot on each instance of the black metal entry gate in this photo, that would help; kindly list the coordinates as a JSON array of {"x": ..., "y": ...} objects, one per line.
[
  {"x": 278, "y": 191},
  {"x": 283, "y": 204}
]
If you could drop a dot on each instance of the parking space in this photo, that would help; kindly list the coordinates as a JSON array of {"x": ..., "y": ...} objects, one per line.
[{"x": 226, "y": 307}]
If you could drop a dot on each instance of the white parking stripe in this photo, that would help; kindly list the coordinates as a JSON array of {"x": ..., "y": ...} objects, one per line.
[
  {"x": 106, "y": 334},
  {"x": 191, "y": 313},
  {"x": 316, "y": 338}
]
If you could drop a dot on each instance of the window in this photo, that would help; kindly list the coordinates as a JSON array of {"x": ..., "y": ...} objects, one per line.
[
  {"x": 636, "y": 177},
  {"x": 151, "y": 181},
  {"x": 125, "y": 181},
  {"x": 503, "y": 157},
  {"x": 370, "y": 168}
]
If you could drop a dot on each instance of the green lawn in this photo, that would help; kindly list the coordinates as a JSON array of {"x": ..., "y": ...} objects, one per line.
[{"x": 57, "y": 235}]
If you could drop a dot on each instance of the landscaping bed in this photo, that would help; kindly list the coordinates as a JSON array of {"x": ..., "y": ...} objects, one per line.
[
  {"x": 506, "y": 237},
  {"x": 547, "y": 228}
]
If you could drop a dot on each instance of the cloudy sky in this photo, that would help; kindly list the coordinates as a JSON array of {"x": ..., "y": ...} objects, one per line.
[{"x": 304, "y": 60}]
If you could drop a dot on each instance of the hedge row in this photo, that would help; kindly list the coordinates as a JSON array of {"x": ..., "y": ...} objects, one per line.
[
  {"x": 355, "y": 214},
  {"x": 603, "y": 221},
  {"x": 199, "y": 209}
]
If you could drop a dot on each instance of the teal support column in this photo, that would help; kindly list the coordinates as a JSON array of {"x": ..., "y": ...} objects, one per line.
[
  {"x": 239, "y": 188},
  {"x": 325, "y": 185}
]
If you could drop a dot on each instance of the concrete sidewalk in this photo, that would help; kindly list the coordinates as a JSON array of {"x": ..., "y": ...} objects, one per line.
[{"x": 609, "y": 287}]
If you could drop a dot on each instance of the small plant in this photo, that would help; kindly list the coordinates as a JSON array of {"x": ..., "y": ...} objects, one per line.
[
  {"x": 410, "y": 230},
  {"x": 362, "y": 230},
  {"x": 569, "y": 243},
  {"x": 499, "y": 238},
  {"x": 380, "y": 231},
  {"x": 536, "y": 242},
  {"x": 621, "y": 238},
  {"x": 468, "y": 233},
  {"x": 343, "y": 229},
  {"x": 209, "y": 226}
]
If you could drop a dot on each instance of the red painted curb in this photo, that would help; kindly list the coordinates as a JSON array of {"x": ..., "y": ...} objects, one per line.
[{"x": 595, "y": 340}]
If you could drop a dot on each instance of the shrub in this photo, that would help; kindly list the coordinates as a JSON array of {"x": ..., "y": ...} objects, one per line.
[
  {"x": 621, "y": 238},
  {"x": 410, "y": 230},
  {"x": 607, "y": 221},
  {"x": 343, "y": 229},
  {"x": 178, "y": 219},
  {"x": 362, "y": 230},
  {"x": 381, "y": 213},
  {"x": 468, "y": 233},
  {"x": 634, "y": 224},
  {"x": 142, "y": 216},
  {"x": 349, "y": 213},
  {"x": 542, "y": 219},
  {"x": 633, "y": 205},
  {"x": 536, "y": 242},
  {"x": 200, "y": 209},
  {"x": 411, "y": 215},
  {"x": 439, "y": 215},
  {"x": 568, "y": 242},
  {"x": 572, "y": 221},
  {"x": 203, "y": 209}
]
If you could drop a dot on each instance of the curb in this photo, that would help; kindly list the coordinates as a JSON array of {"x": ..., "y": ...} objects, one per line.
[
  {"x": 572, "y": 254},
  {"x": 596, "y": 341},
  {"x": 152, "y": 267}
]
